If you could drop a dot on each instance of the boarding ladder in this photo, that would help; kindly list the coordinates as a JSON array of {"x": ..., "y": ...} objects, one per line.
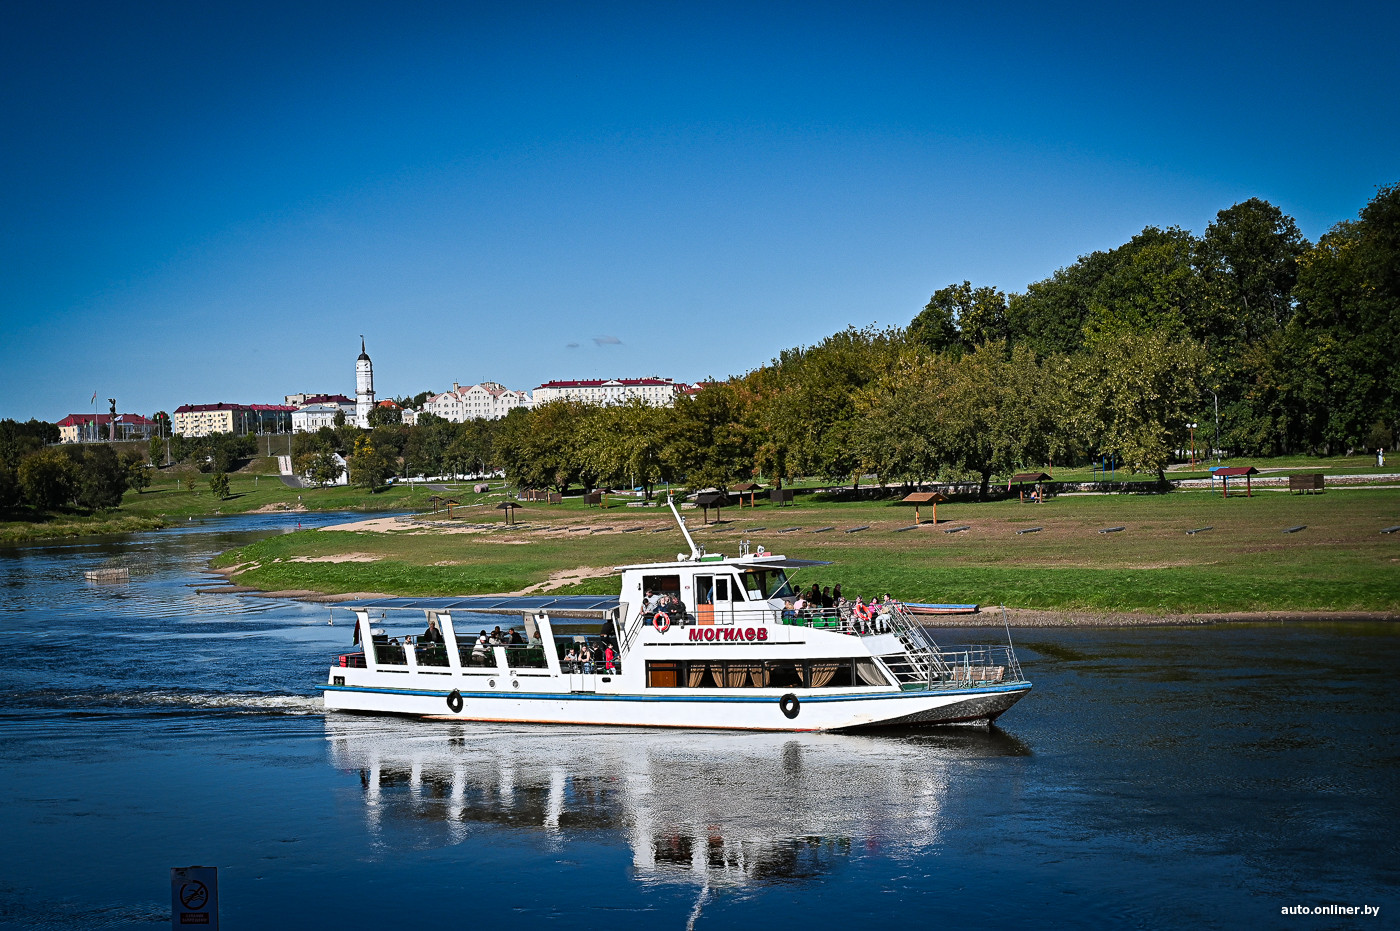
[{"x": 921, "y": 663}]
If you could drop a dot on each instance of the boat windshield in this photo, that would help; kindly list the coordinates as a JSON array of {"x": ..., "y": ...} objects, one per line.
[{"x": 762, "y": 584}]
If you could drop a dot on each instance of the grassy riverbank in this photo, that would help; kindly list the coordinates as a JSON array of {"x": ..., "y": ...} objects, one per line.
[
  {"x": 168, "y": 500},
  {"x": 1340, "y": 562}
]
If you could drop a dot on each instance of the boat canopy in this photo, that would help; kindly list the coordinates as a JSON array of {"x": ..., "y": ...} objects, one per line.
[{"x": 599, "y": 606}]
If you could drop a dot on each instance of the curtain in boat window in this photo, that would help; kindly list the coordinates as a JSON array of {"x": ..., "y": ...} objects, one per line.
[
  {"x": 736, "y": 675},
  {"x": 869, "y": 674},
  {"x": 822, "y": 673},
  {"x": 696, "y": 674}
]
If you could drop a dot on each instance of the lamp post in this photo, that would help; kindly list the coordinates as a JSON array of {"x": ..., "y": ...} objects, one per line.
[{"x": 1193, "y": 444}]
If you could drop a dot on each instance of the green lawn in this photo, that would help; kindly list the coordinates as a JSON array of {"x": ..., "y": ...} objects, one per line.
[{"x": 1246, "y": 563}]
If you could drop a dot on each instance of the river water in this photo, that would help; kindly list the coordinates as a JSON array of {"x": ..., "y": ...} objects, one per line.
[{"x": 1155, "y": 778}]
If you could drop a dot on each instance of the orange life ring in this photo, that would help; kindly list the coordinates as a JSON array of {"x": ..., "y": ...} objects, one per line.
[{"x": 661, "y": 621}]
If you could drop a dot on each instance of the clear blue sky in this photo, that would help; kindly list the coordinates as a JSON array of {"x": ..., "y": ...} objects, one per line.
[{"x": 210, "y": 201}]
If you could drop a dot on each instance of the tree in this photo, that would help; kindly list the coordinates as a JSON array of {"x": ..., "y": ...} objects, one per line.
[
  {"x": 709, "y": 444},
  {"x": 47, "y": 479},
  {"x": 1345, "y": 336},
  {"x": 385, "y": 414},
  {"x": 218, "y": 484},
  {"x": 323, "y": 468},
  {"x": 961, "y": 316},
  {"x": 540, "y": 448},
  {"x": 627, "y": 442},
  {"x": 1250, "y": 255},
  {"x": 339, "y": 419},
  {"x": 138, "y": 475},
  {"x": 368, "y": 468},
  {"x": 1136, "y": 390}
]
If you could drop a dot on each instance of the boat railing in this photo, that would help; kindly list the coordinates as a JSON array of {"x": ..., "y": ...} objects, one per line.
[{"x": 975, "y": 665}]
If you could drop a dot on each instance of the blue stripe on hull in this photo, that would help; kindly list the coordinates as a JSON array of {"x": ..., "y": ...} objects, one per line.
[{"x": 749, "y": 699}]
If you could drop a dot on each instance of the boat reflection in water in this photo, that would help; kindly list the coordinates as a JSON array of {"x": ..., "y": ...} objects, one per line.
[{"x": 694, "y": 806}]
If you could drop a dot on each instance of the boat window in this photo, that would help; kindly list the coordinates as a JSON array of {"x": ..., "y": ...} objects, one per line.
[
  {"x": 767, "y": 583},
  {"x": 662, "y": 585},
  {"x": 869, "y": 673},
  {"x": 704, "y": 589},
  {"x": 738, "y": 674},
  {"x": 721, "y": 588}
]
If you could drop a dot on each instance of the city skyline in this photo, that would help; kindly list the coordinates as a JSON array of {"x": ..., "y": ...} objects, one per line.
[{"x": 206, "y": 204}]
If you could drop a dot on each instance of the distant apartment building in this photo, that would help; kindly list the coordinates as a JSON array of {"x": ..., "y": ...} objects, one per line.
[
  {"x": 304, "y": 400},
  {"x": 207, "y": 419},
  {"x": 89, "y": 428},
  {"x": 314, "y": 411},
  {"x": 313, "y": 417},
  {"x": 656, "y": 391},
  {"x": 486, "y": 401}
]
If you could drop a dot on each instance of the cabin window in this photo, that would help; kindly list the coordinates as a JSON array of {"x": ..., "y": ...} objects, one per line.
[
  {"x": 388, "y": 652},
  {"x": 663, "y": 675},
  {"x": 755, "y": 674},
  {"x": 868, "y": 672},
  {"x": 762, "y": 584},
  {"x": 721, "y": 588}
]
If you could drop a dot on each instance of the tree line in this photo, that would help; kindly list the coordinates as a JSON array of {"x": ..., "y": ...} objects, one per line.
[{"x": 1269, "y": 343}]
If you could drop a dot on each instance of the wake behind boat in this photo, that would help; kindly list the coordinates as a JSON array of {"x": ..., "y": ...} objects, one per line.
[{"x": 706, "y": 641}]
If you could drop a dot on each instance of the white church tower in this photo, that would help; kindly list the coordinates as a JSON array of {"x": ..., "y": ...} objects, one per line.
[{"x": 364, "y": 387}]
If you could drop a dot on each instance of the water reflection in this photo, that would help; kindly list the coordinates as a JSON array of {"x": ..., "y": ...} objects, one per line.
[{"x": 718, "y": 809}]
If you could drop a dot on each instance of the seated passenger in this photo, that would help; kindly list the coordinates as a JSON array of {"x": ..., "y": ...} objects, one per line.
[
  {"x": 515, "y": 639},
  {"x": 432, "y": 634},
  {"x": 483, "y": 644}
]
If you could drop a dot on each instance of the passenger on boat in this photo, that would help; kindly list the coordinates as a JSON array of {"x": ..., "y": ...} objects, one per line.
[
  {"x": 836, "y": 598},
  {"x": 571, "y": 660},
  {"x": 827, "y": 600},
  {"x": 610, "y": 660},
  {"x": 585, "y": 656},
  {"x": 483, "y": 644},
  {"x": 650, "y": 602},
  {"x": 432, "y": 634},
  {"x": 515, "y": 639},
  {"x": 497, "y": 638},
  {"x": 789, "y": 611}
]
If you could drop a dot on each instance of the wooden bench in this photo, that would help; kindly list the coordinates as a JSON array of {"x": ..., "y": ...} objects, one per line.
[{"x": 1305, "y": 483}]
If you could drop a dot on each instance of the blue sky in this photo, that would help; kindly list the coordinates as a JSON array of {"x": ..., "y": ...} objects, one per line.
[{"x": 211, "y": 202}]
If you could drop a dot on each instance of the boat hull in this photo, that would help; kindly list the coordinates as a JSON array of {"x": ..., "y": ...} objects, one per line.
[{"x": 764, "y": 711}]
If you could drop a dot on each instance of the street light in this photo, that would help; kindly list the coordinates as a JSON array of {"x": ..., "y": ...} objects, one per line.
[{"x": 1193, "y": 444}]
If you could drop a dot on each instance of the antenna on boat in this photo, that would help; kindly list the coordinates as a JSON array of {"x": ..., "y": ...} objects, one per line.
[{"x": 680, "y": 522}]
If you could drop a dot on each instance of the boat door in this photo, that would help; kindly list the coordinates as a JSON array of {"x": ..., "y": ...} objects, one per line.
[{"x": 713, "y": 599}]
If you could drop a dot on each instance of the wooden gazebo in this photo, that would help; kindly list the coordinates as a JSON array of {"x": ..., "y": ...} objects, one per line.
[
  {"x": 510, "y": 508},
  {"x": 923, "y": 497},
  {"x": 1036, "y": 479},
  {"x": 750, "y": 488},
  {"x": 1225, "y": 473},
  {"x": 711, "y": 499}
]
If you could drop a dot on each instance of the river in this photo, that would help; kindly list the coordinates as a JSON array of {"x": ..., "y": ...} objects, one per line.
[{"x": 1155, "y": 778}]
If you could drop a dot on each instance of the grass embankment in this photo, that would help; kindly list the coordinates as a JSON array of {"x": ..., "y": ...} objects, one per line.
[
  {"x": 252, "y": 488},
  {"x": 1341, "y": 562}
]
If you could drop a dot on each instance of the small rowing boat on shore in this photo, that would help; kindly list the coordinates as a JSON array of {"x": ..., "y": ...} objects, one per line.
[{"x": 917, "y": 608}]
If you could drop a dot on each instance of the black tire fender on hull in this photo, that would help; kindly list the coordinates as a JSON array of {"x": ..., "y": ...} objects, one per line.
[
  {"x": 790, "y": 706},
  {"x": 454, "y": 701}
]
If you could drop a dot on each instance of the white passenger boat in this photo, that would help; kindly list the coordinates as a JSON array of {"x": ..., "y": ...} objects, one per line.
[{"x": 719, "y": 651}]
